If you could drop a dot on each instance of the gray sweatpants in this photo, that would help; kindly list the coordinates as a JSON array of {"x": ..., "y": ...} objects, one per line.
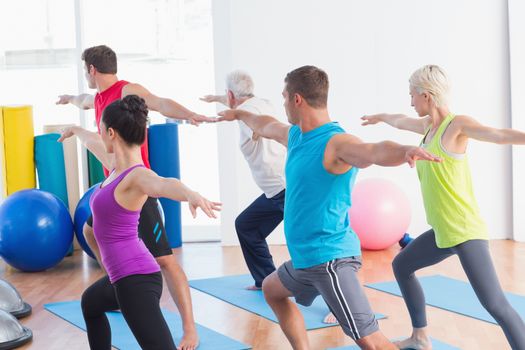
[{"x": 477, "y": 263}]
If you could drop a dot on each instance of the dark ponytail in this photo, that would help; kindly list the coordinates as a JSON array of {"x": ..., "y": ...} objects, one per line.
[{"x": 128, "y": 117}]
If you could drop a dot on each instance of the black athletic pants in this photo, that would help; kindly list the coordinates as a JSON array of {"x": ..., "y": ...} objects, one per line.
[{"x": 137, "y": 296}]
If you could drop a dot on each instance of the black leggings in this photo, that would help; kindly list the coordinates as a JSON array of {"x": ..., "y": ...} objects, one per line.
[{"x": 137, "y": 296}]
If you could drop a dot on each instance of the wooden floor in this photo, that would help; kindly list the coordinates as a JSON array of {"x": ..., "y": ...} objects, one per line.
[{"x": 74, "y": 274}]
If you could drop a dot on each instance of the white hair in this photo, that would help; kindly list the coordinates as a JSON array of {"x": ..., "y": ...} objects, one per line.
[
  {"x": 240, "y": 83},
  {"x": 433, "y": 80}
]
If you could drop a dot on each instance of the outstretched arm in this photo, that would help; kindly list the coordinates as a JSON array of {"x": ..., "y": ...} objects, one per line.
[
  {"x": 471, "y": 128},
  {"x": 223, "y": 99},
  {"x": 262, "y": 125},
  {"x": 165, "y": 106},
  {"x": 352, "y": 151},
  {"x": 151, "y": 184},
  {"x": 399, "y": 121},
  {"x": 82, "y": 101},
  {"x": 92, "y": 141}
]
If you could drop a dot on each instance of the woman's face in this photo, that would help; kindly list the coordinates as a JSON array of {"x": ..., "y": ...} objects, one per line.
[
  {"x": 420, "y": 102},
  {"x": 108, "y": 137}
]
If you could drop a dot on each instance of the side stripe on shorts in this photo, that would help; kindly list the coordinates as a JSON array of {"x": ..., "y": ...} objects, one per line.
[{"x": 341, "y": 299}]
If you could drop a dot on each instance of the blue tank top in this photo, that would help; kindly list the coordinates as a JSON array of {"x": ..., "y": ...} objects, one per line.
[{"x": 316, "y": 222}]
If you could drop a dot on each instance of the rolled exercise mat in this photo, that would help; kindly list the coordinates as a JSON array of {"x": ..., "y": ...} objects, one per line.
[
  {"x": 49, "y": 159},
  {"x": 19, "y": 148},
  {"x": 95, "y": 170},
  {"x": 70, "y": 164},
  {"x": 164, "y": 159},
  {"x": 3, "y": 185}
]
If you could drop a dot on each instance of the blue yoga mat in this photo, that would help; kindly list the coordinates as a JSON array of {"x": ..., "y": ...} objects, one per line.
[
  {"x": 436, "y": 345},
  {"x": 163, "y": 144},
  {"x": 123, "y": 339},
  {"x": 453, "y": 295},
  {"x": 49, "y": 159},
  {"x": 231, "y": 289}
]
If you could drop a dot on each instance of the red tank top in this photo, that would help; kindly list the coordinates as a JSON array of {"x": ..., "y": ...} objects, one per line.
[{"x": 102, "y": 100}]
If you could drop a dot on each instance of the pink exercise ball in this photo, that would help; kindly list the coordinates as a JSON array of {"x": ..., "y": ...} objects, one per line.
[{"x": 380, "y": 213}]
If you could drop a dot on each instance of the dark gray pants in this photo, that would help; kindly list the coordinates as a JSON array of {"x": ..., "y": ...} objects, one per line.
[{"x": 477, "y": 263}]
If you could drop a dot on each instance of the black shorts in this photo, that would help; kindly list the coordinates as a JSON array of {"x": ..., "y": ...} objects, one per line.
[{"x": 151, "y": 228}]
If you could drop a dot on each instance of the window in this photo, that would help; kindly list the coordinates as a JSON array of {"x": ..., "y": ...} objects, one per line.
[{"x": 164, "y": 45}]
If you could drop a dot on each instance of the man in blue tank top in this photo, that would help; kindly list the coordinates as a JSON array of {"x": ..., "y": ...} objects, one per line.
[{"x": 320, "y": 172}]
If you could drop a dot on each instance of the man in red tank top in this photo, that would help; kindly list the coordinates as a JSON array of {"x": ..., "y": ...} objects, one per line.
[
  {"x": 106, "y": 97},
  {"x": 101, "y": 74}
]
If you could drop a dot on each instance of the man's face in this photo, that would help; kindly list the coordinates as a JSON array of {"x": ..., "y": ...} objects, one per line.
[
  {"x": 230, "y": 98},
  {"x": 90, "y": 77},
  {"x": 289, "y": 106}
]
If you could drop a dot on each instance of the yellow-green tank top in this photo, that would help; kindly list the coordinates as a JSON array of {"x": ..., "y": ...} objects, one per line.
[{"x": 448, "y": 195}]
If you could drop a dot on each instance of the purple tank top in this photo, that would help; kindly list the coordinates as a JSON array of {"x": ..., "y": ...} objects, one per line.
[{"x": 116, "y": 232}]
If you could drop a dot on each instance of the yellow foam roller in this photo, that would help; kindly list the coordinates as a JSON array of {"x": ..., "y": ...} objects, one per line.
[
  {"x": 3, "y": 185},
  {"x": 19, "y": 148}
]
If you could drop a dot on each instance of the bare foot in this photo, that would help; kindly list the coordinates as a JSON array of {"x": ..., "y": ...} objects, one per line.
[
  {"x": 330, "y": 319},
  {"x": 254, "y": 287},
  {"x": 190, "y": 340},
  {"x": 414, "y": 343}
]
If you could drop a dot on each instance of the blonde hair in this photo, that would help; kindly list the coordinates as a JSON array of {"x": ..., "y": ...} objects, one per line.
[{"x": 433, "y": 80}]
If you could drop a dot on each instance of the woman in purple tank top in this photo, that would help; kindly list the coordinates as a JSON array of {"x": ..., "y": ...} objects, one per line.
[{"x": 134, "y": 281}]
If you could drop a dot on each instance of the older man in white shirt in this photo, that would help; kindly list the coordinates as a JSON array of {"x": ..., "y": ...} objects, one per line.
[{"x": 266, "y": 159}]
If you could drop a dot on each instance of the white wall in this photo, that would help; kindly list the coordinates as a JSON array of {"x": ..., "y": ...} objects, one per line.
[
  {"x": 369, "y": 49},
  {"x": 517, "y": 57}
]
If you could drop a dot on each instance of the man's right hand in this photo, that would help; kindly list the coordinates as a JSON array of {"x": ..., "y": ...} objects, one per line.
[
  {"x": 230, "y": 115},
  {"x": 197, "y": 119},
  {"x": 66, "y": 133},
  {"x": 64, "y": 99},
  {"x": 414, "y": 154},
  {"x": 210, "y": 98}
]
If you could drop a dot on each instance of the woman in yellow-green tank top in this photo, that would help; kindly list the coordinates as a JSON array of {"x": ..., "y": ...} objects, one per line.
[
  {"x": 450, "y": 205},
  {"x": 448, "y": 197}
]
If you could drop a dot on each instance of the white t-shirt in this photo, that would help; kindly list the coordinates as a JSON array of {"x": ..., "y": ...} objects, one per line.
[{"x": 266, "y": 158}]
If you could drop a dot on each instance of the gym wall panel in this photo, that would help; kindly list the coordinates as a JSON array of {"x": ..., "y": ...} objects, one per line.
[
  {"x": 367, "y": 78},
  {"x": 517, "y": 82}
]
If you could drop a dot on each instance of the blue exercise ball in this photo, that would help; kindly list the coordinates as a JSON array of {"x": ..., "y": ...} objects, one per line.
[
  {"x": 82, "y": 213},
  {"x": 36, "y": 230}
]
